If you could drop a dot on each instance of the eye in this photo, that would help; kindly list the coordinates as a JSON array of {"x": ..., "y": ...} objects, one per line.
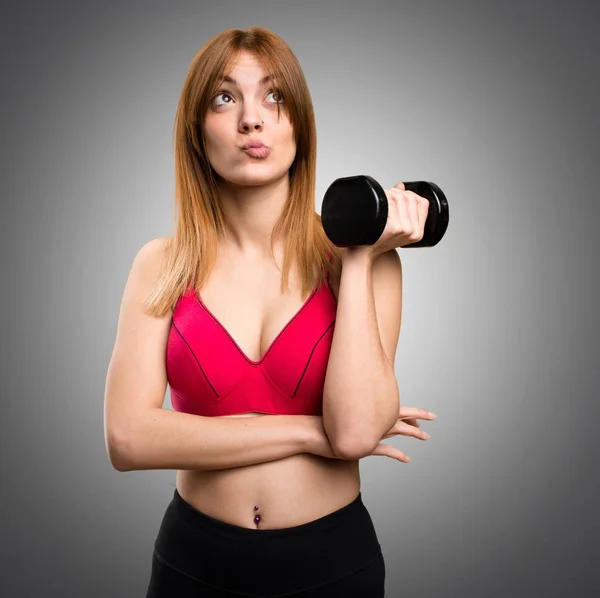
[
  {"x": 221, "y": 93},
  {"x": 277, "y": 92},
  {"x": 225, "y": 93}
]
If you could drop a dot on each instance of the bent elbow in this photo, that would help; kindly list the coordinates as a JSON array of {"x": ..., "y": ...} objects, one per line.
[
  {"x": 119, "y": 450},
  {"x": 352, "y": 450}
]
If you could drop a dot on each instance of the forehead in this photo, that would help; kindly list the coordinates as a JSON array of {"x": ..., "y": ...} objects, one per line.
[
  {"x": 247, "y": 68},
  {"x": 245, "y": 59}
]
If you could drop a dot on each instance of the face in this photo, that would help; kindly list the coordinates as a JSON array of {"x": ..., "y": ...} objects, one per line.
[{"x": 236, "y": 115}]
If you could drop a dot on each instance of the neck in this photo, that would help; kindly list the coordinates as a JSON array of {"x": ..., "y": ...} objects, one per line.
[{"x": 250, "y": 214}]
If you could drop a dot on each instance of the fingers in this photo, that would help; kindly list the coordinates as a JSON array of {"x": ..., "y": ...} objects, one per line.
[
  {"x": 404, "y": 429},
  {"x": 408, "y": 430},
  {"x": 415, "y": 412},
  {"x": 400, "y": 213},
  {"x": 414, "y": 215},
  {"x": 412, "y": 210},
  {"x": 387, "y": 450},
  {"x": 407, "y": 423}
]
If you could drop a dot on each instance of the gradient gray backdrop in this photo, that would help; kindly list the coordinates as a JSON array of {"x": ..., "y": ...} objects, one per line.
[{"x": 495, "y": 102}]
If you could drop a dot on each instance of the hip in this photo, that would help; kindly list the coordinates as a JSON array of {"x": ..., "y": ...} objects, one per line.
[{"x": 341, "y": 547}]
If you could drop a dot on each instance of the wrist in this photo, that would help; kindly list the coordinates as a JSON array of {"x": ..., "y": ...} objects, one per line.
[
  {"x": 312, "y": 433},
  {"x": 361, "y": 253}
]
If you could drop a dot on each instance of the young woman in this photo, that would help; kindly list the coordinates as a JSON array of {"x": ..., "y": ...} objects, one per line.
[{"x": 277, "y": 346}]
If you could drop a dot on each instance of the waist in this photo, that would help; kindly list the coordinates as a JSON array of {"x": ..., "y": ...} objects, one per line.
[
  {"x": 288, "y": 492},
  {"x": 236, "y": 558}
]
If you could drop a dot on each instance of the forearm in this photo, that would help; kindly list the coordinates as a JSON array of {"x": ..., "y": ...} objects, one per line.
[
  {"x": 361, "y": 397},
  {"x": 165, "y": 439}
]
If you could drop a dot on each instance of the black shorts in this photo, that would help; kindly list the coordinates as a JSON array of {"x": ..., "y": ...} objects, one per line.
[{"x": 200, "y": 556}]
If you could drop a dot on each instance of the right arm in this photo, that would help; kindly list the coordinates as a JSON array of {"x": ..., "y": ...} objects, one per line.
[{"x": 140, "y": 434}]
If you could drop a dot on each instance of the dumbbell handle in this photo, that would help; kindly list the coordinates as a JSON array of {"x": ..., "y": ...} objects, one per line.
[
  {"x": 355, "y": 211},
  {"x": 437, "y": 216}
]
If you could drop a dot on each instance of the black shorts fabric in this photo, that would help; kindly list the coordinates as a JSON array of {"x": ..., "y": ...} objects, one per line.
[{"x": 196, "y": 555}]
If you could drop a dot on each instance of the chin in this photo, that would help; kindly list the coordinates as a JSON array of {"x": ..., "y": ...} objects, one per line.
[{"x": 258, "y": 177}]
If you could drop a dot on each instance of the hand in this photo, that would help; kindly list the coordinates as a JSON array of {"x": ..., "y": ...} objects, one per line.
[
  {"x": 407, "y": 213},
  {"x": 411, "y": 415},
  {"x": 409, "y": 427}
]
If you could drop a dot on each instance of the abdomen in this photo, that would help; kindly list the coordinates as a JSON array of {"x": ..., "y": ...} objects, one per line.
[{"x": 288, "y": 492}]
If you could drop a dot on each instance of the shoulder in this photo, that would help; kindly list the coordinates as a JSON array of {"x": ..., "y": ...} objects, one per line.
[
  {"x": 154, "y": 248},
  {"x": 150, "y": 258},
  {"x": 153, "y": 252}
]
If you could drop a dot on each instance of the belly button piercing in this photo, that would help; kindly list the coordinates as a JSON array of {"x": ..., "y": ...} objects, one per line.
[{"x": 257, "y": 518}]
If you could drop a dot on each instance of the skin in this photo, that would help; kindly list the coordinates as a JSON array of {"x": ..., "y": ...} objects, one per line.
[
  {"x": 253, "y": 191},
  {"x": 302, "y": 487}
]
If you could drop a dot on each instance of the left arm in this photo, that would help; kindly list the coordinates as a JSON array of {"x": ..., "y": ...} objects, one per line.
[{"x": 361, "y": 399}]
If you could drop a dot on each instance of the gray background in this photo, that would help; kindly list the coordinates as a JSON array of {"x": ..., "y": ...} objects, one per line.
[{"x": 495, "y": 102}]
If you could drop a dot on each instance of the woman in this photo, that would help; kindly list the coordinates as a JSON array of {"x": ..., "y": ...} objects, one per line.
[{"x": 265, "y": 396}]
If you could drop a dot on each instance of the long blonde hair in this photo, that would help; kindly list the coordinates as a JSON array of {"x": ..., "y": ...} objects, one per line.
[{"x": 191, "y": 253}]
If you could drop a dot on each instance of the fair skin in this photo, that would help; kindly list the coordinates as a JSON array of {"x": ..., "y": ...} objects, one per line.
[
  {"x": 287, "y": 466},
  {"x": 253, "y": 190}
]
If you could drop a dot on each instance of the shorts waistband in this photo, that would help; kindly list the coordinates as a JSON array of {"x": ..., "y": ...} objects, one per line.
[
  {"x": 239, "y": 558},
  {"x": 340, "y": 517}
]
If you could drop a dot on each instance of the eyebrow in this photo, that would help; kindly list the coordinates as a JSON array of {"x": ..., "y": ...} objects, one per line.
[{"x": 261, "y": 82}]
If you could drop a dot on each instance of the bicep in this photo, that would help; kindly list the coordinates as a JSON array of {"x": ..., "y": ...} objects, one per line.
[{"x": 136, "y": 379}]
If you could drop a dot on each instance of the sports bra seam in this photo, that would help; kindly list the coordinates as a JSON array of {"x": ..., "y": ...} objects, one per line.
[
  {"x": 240, "y": 381},
  {"x": 310, "y": 357},
  {"x": 195, "y": 357},
  {"x": 273, "y": 385},
  {"x": 258, "y": 364}
]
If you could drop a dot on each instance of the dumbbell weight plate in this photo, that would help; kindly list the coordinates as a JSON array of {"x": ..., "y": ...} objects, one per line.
[{"x": 355, "y": 211}]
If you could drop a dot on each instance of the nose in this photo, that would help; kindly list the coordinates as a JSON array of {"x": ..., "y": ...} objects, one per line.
[{"x": 248, "y": 124}]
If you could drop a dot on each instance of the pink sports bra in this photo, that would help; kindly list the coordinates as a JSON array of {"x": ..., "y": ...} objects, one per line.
[{"x": 210, "y": 375}]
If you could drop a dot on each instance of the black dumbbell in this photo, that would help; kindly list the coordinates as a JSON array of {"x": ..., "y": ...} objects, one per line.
[{"x": 355, "y": 211}]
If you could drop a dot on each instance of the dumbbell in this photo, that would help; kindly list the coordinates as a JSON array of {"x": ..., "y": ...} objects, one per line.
[{"x": 355, "y": 211}]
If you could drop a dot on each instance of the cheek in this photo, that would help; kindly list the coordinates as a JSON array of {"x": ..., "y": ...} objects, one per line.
[
  {"x": 287, "y": 138},
  {"x": 292, "y": 144},
  {"x": 217, "y": 143},
  {"x": 215, "y": 130},
  {"x": 289, "y": 143}
]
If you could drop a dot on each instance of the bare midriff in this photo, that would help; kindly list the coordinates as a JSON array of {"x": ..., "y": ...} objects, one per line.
[{"x": 275, "y": 494}]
